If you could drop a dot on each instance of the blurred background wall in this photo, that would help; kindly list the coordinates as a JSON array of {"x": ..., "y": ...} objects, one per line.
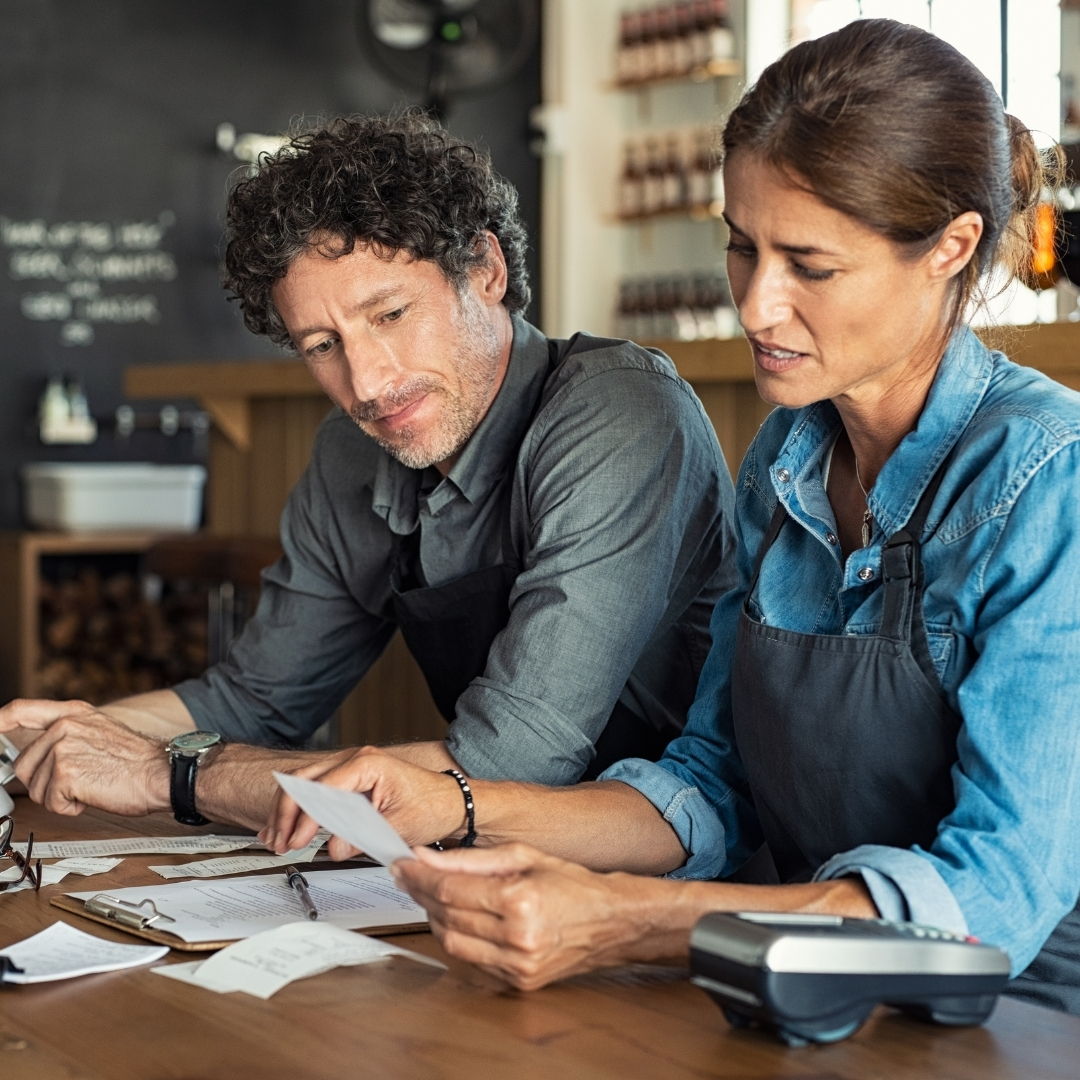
[{"x": 112, "y": 187}]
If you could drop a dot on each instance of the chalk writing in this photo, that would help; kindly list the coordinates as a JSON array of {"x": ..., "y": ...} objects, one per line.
[{"x": 81, "y": 256}]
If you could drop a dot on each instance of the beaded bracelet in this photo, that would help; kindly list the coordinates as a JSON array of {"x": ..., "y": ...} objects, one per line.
[{"x": 470, "y": 811}]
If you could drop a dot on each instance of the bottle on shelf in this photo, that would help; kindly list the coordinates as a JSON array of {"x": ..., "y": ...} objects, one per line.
[
  {"x": 649, "y": 31},
  {"x": 652, "y": 196},
  {"x": 681, "y": 308},
  {"x": 721, "y": 37},
  {"x": 628, "y": 58},
  {"x": 683, "y": 49},
  {"x": 699, "y": 176},
  {"x": 674, "y": 182},
  {"x": 664, "y": 47},
  {"x": 701, "y": 33},
  {"x": 671, "y": 171},
  {"x": 632, "y": 183}
]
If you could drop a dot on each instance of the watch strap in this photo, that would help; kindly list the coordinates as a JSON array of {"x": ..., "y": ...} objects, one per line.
[{"x": 183, "y": 768}]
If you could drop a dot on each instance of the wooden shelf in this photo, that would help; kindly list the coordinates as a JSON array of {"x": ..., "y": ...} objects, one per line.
[
  {"x": 226, "y": 390},
  {"x": 715, "y": 69},
  {"x": 1052, "y": 348},
  {"x": 699, "y": 213}
]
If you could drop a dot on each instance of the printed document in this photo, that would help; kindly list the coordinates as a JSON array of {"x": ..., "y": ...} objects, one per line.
[
  {"x": 263, "y": 964},
  {"x": 238, "y": 864},
  {"x": 238, "y": 908},
  {"x": 140, "y": 845},
  {"x": 62, "y": 952},
  {"x": 349, "y": 815}
]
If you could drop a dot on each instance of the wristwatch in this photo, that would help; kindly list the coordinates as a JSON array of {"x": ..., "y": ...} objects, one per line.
[{"x": 186, "y": 752}]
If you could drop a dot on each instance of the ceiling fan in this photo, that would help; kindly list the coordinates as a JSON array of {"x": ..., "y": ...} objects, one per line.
[{"x": 445, "y": 48}]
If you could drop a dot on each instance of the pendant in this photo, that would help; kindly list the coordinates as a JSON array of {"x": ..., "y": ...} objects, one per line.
[{"x": 867, "y": 521}]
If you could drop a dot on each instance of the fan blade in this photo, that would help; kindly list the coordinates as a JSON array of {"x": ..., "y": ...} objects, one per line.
[{"x": 402, "y": 24}]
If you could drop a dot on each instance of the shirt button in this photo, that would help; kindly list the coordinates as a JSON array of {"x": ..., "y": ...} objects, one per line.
[
  {"x": 783, "y": 475},
  {"x": 866, "y": 574},
  {"x": 831, "y": 537}
]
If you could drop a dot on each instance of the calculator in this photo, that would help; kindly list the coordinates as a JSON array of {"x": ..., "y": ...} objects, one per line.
[{"x": 816, "y": 978}]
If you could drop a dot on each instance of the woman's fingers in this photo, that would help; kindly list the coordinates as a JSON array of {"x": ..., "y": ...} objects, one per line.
[{"x": 503, "y": 859}]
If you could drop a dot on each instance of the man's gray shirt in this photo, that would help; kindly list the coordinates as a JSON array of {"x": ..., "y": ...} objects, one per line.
[{"x": 620, "y": 508}]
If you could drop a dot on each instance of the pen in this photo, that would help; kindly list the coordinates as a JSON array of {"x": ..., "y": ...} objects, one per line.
[{"x": 299, "y": 886}]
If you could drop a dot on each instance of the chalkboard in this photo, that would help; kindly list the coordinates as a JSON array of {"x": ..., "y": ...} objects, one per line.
[{"x": 112, "y": 188}]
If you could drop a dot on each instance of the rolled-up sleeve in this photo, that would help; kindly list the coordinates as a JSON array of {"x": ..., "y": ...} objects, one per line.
[
  {"x": 309, "y": 641},
  {"x": 905, "y": 886},
  {"x": 628, "y": 510}
]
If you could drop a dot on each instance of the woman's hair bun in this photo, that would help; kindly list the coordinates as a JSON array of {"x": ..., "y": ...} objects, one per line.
[{"x": 1028, "y": 166}]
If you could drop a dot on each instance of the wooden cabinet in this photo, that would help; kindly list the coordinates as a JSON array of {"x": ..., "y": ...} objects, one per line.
[{"x": 21, "y": 555}]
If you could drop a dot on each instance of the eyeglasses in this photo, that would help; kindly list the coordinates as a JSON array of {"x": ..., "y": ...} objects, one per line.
[{"x": 31, "y": 873}]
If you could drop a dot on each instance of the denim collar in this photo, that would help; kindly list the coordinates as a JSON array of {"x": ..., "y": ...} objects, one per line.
[
  {"x": 959, "y": 387},
  {"x": 488, "y": 455}
]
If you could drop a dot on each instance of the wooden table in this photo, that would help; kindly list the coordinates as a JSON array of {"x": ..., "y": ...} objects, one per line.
[{"x": 401, "y": 1019}]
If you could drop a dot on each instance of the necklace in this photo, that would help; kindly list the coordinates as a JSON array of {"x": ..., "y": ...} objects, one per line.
[{"x": 867, "y": 518}]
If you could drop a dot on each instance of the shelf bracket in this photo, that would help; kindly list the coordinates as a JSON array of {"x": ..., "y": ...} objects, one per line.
[{"x": 232, "y": 415}]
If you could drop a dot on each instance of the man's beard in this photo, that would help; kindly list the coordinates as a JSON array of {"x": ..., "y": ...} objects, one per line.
[{"x": 476, "y": 365}]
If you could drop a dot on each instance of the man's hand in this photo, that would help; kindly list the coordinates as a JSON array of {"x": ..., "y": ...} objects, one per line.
[
  {"x": 422, "y": 805},
  {"x": 84, "y": 758},
  {"x": 523, "y": 916}
]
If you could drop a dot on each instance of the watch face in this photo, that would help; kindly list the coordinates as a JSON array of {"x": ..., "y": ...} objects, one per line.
[{"x": 192, "y": 741}]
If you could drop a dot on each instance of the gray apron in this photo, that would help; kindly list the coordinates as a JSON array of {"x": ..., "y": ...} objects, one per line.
[
  {"x": 849, "y": 740},
  {"x": 450, "y": 628}
]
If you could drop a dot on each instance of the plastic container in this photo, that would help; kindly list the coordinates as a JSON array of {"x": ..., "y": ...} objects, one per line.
[{"x": 89, "y": 496}]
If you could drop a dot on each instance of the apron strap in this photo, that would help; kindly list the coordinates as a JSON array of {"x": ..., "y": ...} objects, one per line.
[{"x": 901, "y": 565}]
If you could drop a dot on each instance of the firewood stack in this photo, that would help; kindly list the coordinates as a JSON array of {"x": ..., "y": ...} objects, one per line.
[{"x": 103, "y": 639}]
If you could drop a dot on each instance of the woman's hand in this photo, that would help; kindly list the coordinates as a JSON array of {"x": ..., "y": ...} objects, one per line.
[
  {"x": 422, "y": 805},
  {"x": 531, "y": 918}
]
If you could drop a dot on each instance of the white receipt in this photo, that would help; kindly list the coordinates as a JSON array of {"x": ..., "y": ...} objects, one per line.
[
  {"x": 238, "y": 864},
  {"x": 263, "y": 964},
  {"x": 62, "y": 952},
  {"x": 56, "y": 872},
  {"x": 85, "y": 867},
  {"x": 238, "y": 908},
  {"x": 140, "y": 845},
  {"x": 348, "y": 815}
]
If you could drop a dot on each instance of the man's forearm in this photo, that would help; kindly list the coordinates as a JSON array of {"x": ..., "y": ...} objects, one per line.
[
  {"x": 234, "y": 786},
  {"x": 160, "y": 713},
  {"x": 428, "y": 755}
]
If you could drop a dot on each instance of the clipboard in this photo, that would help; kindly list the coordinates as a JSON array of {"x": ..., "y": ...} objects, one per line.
[{"x": 75, "y": 906}]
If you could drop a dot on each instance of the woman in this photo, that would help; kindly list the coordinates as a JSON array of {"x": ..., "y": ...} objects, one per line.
[{"x": 889, "y": 704}]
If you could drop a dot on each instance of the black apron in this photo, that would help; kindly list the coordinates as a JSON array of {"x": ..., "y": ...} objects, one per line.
[
  {"x": 849, "y": 740},
  {"x": 450, "y": 628}
]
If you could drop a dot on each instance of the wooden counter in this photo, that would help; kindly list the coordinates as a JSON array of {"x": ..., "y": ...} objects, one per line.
[{"x": 401, "y": 1019}]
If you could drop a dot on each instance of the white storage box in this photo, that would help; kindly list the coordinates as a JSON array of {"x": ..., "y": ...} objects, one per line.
[{"x": 94, "y": 495}]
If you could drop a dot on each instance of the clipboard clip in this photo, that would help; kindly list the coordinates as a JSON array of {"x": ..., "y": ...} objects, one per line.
[{"x": 127, "y": 914}]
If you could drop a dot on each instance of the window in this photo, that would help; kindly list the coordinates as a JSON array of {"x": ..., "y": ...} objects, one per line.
[{"x": 1031, "y": 58}]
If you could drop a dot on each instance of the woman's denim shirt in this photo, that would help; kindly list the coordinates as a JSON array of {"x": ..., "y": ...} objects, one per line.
[{"x": 1002, "y": 609}]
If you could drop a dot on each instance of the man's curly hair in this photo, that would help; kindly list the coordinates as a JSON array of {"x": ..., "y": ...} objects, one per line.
[{"x": 396, "y": 183}]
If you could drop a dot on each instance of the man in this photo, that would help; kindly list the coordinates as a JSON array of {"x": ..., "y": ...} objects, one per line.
[{"x": 547, "y": 522}]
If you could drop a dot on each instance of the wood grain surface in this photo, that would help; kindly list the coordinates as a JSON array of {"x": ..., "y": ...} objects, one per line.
[{"x": 401, "y": 1019}]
